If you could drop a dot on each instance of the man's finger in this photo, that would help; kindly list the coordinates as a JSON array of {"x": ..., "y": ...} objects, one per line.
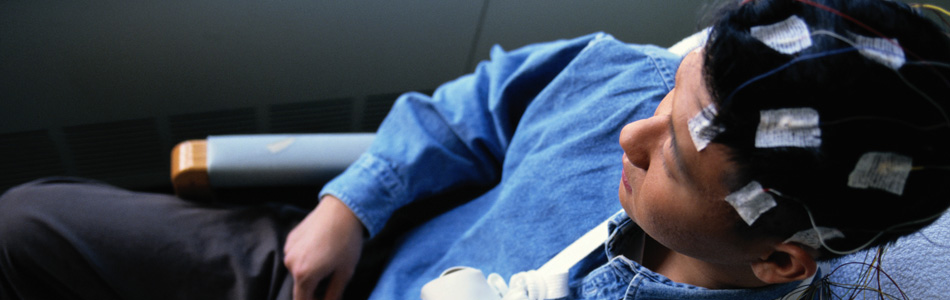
[
  {"x": 303, "y": 291},
  {"x": 305, "y": 287},
  {"x": 337, "y": 285}
]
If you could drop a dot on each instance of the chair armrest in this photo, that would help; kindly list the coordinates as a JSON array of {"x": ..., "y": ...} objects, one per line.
[
  {"x": 199, "y": 167},
  {"x": 189, "y": 171}
]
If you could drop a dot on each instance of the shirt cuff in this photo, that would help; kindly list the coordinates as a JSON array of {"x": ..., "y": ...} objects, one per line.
[{"x": 371, "y": 189}]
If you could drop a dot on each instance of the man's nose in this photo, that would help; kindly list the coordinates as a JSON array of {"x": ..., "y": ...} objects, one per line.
[{"x": 640, "y": 139}]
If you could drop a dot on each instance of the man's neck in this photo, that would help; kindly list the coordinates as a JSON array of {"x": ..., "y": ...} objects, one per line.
[{"x": 686, "y": 269}]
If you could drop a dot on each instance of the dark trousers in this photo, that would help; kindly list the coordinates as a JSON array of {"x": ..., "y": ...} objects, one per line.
[{"x": 66, "y": 238}]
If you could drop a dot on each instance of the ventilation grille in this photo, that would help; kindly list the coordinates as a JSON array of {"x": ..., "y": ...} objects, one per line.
[
  {"x": 25, "y": 156},
  {"x": 117, "y": 148},
  {"x": 308, "y": 117},
  {"x": 377, "y": 107},
  {"x": 201, "y": 125}
]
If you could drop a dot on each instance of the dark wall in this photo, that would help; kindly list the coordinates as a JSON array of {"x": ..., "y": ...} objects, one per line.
[
  {"x": 72, "y": 62},
  {"x": 105, "y": 88}
]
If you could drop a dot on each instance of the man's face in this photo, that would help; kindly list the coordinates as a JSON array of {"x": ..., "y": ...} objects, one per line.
[{"x": 671, "y": 190}]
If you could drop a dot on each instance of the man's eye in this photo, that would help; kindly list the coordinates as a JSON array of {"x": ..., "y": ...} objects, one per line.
[{"x": 667, "y": 161}]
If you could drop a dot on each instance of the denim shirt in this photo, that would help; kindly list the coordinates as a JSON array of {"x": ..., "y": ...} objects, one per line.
[
  {"x": 524, "y": 151},
  {"x": 623, "y": 278}
]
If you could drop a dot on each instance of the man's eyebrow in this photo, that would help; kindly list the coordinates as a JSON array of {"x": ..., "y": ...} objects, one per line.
[{"x": 677, "y": 156}]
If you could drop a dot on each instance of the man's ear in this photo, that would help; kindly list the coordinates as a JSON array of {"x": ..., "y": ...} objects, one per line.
[{"x": 786, "y": 263}]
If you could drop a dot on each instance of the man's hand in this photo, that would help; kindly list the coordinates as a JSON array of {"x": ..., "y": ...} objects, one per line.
[{"x": 324, "y": 249}]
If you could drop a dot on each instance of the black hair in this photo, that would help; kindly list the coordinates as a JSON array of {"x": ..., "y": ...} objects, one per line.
[{"x": 864, "y": 106}]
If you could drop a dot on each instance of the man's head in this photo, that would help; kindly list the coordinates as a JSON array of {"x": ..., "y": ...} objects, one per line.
[
  {"x": 817, "y": 114},
  {"x": 868, "y": 103}
]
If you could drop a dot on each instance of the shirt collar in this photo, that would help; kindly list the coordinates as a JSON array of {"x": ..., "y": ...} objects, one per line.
[
  {"x": 624, "y": 247},
  {"x": 624, "y": 237}
]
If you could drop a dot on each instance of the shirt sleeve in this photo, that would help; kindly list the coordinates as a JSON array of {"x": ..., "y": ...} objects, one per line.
[{"x": 455, "y": 138}]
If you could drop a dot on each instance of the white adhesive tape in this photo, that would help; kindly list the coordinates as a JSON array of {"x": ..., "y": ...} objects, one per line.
[
  {"x": 751, "y": 202},
  {"x": 788, "y": 127},
  {"x": 813, "y": 237},
  {"x": 789, "y": 36},
  {"x": 881, "y": 170},
  {"x": 885, "y": 51},
  {"x": 701, "y": 129}
]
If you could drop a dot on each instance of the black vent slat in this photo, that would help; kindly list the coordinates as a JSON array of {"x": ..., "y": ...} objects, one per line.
[
  {"x": 310, "y": 124},
  {"x": 25, "y": 156},
  {"x": 26, "y": 162},
  {"x": 377, "y": 107},
  {"x": 117, "y": 148},
  {"x": 200, "y": 125},
  {"x": 316, "y": 116}
]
